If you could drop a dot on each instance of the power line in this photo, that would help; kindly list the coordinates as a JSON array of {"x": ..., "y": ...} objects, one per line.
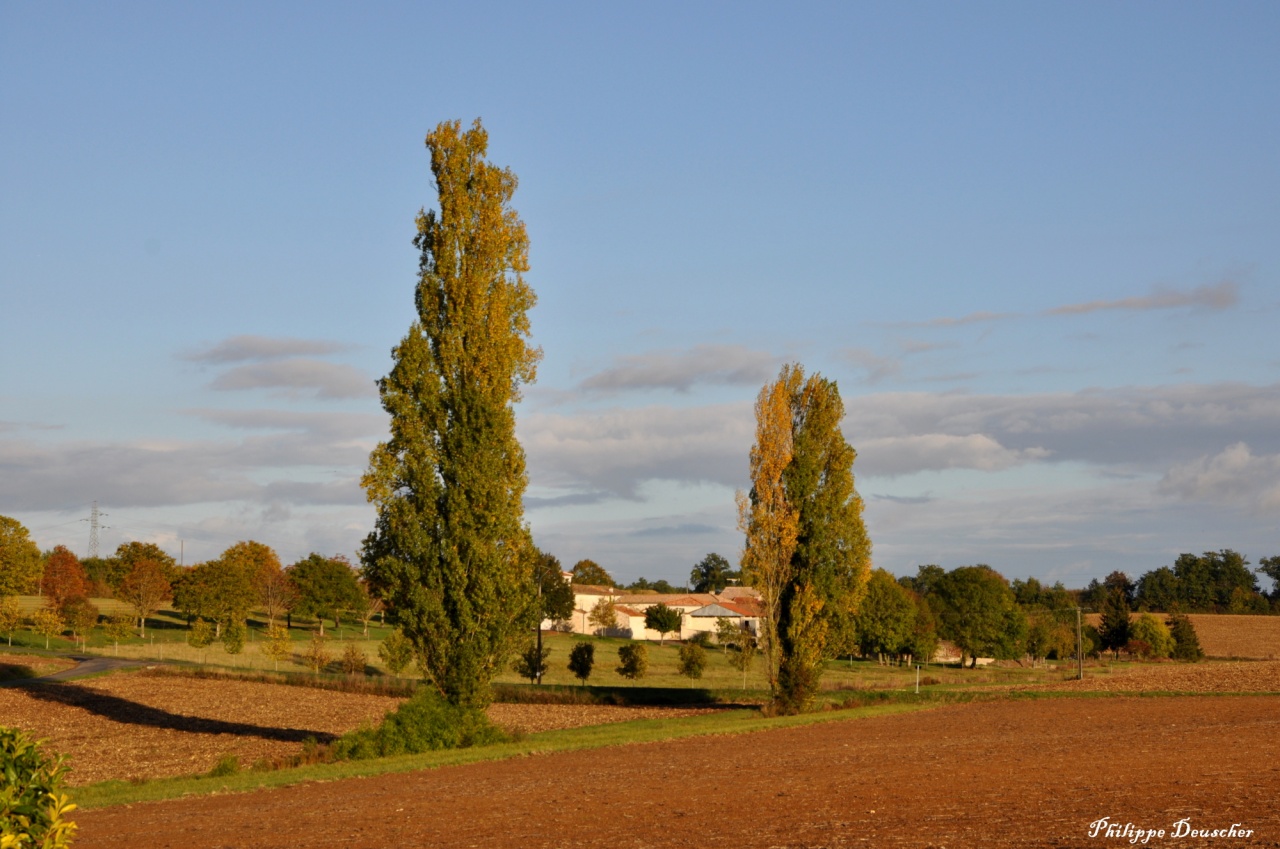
[{"x": 94, "y": 527}]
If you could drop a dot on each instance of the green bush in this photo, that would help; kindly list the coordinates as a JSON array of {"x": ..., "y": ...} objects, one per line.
[
  {"x": 693, "y": 659},
  {"x": 424, "y": 723},
  {"x": 1150, "y": 630},
  {"x": 354, "y": 660},
  {"x": 226, "y": 765},
  {"x": 1186, "y": 643},
  {"x": 233, "y": 637},
  {"x": 396, "y": 652},
  {"x": 531, "y": 663},
  {"x": 701, "y": 638},
  {"x": 581, "y": 659},
  {"x": 633, "y": 660},
  {"x": 33, "y": 807}
]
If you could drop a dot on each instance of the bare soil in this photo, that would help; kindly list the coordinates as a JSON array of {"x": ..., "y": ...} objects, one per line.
[
  {"x": 1208, "y": 677},
  {"x": 152, "y": 726},
  {"x": 993, "y": 774}
]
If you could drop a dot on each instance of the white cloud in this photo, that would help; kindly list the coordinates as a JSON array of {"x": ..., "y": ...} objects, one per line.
[
  {"x": 877, "y": 368},
  {"x": 899, "y": 455},
  {"x": 1234, "y": 476},
  {"x": 299, "y": 376},
  {"x": 616, "y": 450},
  {"x": 257, "y": 348},
  {"x": 1218, "y": 296},
  {"x": 681, "y": 370}
]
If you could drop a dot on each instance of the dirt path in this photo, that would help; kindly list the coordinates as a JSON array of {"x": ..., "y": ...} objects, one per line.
[{"x": 1001, "y": 774}]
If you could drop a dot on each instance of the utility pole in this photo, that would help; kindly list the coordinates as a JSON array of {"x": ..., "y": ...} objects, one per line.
[
  {"x": 1079, "y": 648},
  {"x": 94, "y": 526}
]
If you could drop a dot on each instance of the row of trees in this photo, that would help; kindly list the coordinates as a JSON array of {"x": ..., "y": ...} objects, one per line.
[{"x": 1213, "y": 582}]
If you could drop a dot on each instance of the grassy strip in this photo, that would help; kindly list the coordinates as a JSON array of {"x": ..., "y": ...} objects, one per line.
[{"x": 111, "y": 793}]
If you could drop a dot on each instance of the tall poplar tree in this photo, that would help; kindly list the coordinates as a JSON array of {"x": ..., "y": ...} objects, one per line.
[
  {"x": 807, "y": 551},
  {"x": 450, "y": 550}
]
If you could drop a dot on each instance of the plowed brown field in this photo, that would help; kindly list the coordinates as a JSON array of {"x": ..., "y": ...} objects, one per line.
[{"x": 996, "y": 774}]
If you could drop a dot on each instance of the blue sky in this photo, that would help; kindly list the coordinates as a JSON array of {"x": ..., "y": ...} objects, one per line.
[{"x": 1035, "y": 245}]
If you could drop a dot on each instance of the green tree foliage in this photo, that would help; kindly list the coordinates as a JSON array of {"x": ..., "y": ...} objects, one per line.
[
  {"x": 1159, "y": 589},
  {"x": 886, "y": 618},
  {"x": 221, "y": 590},
  {"x": 1031, "y": 593},
  {"x": 633, "y": 661},
  {"x": 807, "y": 551},
  {"x": 64, "y": 578},
  {"x": 922, "y": 644},
  {"x": 20, "y": 562},
  {"x": 200, "y": 634},
  {"x": 693, "y": 659},
  {"x": 532, "y": 662},
  {"x": 1049, "y": 635},
  {"x": 128, "y": 554},
  {"x": 449, "y": 550},
  {"x": 661, "y": 587},
  {"x": 592, "y": 573},
  {"x": 144, "y": 588},
  {"x": 742, "y": 650},
  {"x": 1113, "y": 630},
  {"x": 924, "y": 581},
  {"x": 81, "y": 616},
  {"x": 277, "y": 646},
  {"x": 1154, "y": 634},
  {"x": 233, "y": 636},
  {"x": 423, "y": 723},
  {"x": 1208, "y": 582},
  {"x": 712, "y": 574},
  {"x": 1186, "y": 643},
  {"x": 316, "y": 656},
  {"x": 582, "y": 657},
  {"x": 324, "y": 586},
  {"x": 10, "y": 617},
  {"x": 396, "y": 652},
  {"x": 48, "y": 623},
  {"x": 1270, "y": 566},
  {"x": 555, "y": 594},
  {"x": 663, "y": 619},
  {"x": 975, "y": 611},
  {"x": 604, "y": 616},
  {"x": 354, "y": 660},
  {"x": 33, "y": 805}
]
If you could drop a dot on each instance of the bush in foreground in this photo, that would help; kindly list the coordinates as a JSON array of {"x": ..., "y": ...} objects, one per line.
[
  {"x": 426, "y": 722},
  {"x": 33, "y": 807}
]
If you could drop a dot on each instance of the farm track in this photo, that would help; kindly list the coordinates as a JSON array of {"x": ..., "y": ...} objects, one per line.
[{"x": 989, "y": 774}]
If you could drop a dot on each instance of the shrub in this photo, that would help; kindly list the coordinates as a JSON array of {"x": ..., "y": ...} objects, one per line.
[
  {"x": 226, "y": 765},
  {"x": 278, "y": 646},
  {"x": 424, "y": 723},
  {"x": 354, "y": 660},
  {"x": 200, "y": 635},
  {"x": 396, "y": 652},
  {"x": 633, "y": 660},
  {"x": 47, "y": 623},
  {"x": 701, "y": 638},
  {"x": 33, "y": 807},
  {"x": 693, "y": 659},
  {"x": 119, "y": 627},
  {"x": 581, "y": 659},
  {"x": 531, "y": 663},
  {"x": 233, "y": 637},
  {"x": 1150, "y": 630},
  {"x": 1186, "y": 641},
  {"x": 317, "y": 656},
  {"x": 10, "y": 617}
]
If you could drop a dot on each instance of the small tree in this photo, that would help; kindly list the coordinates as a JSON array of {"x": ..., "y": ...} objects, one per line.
[
  {"x": 742, "y": 651},
  {"x": 33, "y": 808},
  {"x": 200, "y": 636},
  {"x": 81, "y": 616},
  {"x": 396, "y": 652},
  {"x": 47, "y": 623},
  {"x": 663, "y": 619},
  {"x": 633, "y": 661},
  {"x": 1186, "y": 641},
  {"x": 532, "y": 662},
  {"x": 1114, "y": 627},
  {"x": 317, "y": 656},
  {"x": 233, "y": 637},
  {"x": 581, "y": 659},
  {"x": 693, "y": 659},
  {"x": 118, "y": 627},
  {"x": 354, "y": 660},
  {"x": 604, "y": 616},
  {"x": 10, "y": 616},
  {"x": 1154, "y": 633},
  {"x": 278, "y": 646},
  {"x": 144, "y": 589},
  {"x": 64, "y": 578}
]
